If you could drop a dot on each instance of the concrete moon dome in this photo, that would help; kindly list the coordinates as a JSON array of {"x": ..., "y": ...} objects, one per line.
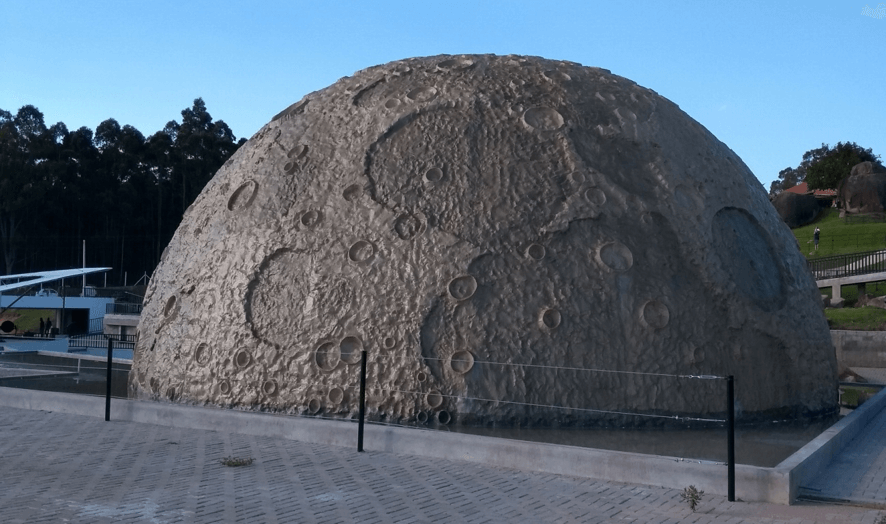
[{"x": 487, "y": 229}]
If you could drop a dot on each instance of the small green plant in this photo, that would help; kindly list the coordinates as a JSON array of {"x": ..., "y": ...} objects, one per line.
[
  {"x": 692, "y": 497},
  {"x": 236, "y": 462}
]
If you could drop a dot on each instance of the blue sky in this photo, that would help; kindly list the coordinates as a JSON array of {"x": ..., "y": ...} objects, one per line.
[{"x": 770, "y": 79}]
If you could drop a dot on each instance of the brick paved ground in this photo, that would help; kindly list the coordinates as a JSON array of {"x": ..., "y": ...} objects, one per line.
[{"x": 67, "y": 468}]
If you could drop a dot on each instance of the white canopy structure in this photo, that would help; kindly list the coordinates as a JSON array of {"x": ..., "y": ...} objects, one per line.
[{"x": 24, "y": 280}]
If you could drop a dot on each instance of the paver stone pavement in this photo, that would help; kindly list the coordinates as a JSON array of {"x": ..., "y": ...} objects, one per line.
[{"x": 57, "y": 467}]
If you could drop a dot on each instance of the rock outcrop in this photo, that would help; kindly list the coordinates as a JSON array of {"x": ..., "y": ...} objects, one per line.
[
  {"x": 498, "y": 234},
  {"x": 864, "y": 190},
  {"x": 796, "y": 210}
]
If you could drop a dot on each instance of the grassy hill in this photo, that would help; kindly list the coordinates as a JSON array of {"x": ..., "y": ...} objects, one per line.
[
  {"x": 27, "y": 319},
  {"x": 839, "y": 236}
]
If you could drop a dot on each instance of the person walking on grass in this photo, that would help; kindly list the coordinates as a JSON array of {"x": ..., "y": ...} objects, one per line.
[{"x": 815, "y": 235}]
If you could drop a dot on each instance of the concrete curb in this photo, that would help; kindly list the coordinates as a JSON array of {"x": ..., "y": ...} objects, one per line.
[
  {"x": 757, "y": 484},
  {"x": 862, "y": 503},
  {"x": 807, "y": 462}
]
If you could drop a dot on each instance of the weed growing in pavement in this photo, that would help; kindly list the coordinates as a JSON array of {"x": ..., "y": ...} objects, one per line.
[
  {"x": 692, "y": 497},
  {"x": 236, "y": 462}
]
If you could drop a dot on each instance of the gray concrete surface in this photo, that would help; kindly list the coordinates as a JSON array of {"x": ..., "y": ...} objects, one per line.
[
  {"x": 813, "y": 461},
  {"x": 57, "y": 467},
  {"x": 858, "y": 472},
  {"x": 779, "y": 484}
]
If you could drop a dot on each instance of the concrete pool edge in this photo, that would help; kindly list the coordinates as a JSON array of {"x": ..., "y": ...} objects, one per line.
[
  {"x": 807, "y": 462},
  {"x": 753, "y": 483}
]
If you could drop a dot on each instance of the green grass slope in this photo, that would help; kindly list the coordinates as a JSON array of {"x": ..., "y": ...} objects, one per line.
[
  {"x": 27, "y": 319},
  {"x": 839, "y": 237}
]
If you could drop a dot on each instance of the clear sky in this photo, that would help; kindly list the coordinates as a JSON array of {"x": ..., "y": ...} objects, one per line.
[{"x": 770, "y": 79}]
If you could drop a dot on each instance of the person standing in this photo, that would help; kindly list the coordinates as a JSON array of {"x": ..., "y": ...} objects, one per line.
[
  {"x": 815, "y": 236},
  {"x": 42, "y": 328},
  {"x": 48, "y": 327}
]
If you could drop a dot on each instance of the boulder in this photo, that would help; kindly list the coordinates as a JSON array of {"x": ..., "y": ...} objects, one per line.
[
  {"x": 796, "y": 210},
  {"x": 864, "y": 190}
]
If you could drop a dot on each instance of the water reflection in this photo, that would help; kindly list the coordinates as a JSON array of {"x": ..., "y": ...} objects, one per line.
[{"x": 761, "y": 445}]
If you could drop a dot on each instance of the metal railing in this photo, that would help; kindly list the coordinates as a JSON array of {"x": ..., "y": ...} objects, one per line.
[
  {"x": 100, "y": 341},
  {"x": 443, "y": 417},
  {"x": 867, "y": 218},
  {"x": 96, "y": 325},
  {"x": 844, "y": 242},
  {"x": 123, "y": 309},
  {"x": 850, "y": 264}
]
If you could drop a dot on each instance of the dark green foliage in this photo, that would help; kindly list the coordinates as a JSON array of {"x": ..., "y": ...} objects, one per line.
[
  {"x": 827, "y": 167},
  {"x": 823, "y": 168},
  {"x": 691, "y": 496},
  {"x": 123, "y": 193},
  {"x": 787, "y": 178}
]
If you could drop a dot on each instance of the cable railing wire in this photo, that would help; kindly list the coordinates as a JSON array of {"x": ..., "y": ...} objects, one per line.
[
  {"x": 553, "y": 406},
  {"x": 86, "y": 364},
  {"x": 566, "y": 368}
]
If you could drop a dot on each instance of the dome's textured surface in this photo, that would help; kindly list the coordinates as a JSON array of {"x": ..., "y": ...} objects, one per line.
[{"x": 448, "y": 212}]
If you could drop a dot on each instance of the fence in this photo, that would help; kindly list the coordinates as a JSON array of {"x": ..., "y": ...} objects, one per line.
[
  {"x": 437, "y": 401},
  {"x": 100, "y": 340},
  {"x": 96, "y": 325},
  {"x": 369, "y": 381},
  {"x": 868, "y": 218},
  {"x": 845, "y": 242},
  {"x": 848, "y": 265},
  {"x": 61, "y": 372},
  {"x": 118, "y": 308}
]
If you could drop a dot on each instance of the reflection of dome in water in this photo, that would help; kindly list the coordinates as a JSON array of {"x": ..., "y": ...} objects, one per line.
[{"x": 444, "y": 213}]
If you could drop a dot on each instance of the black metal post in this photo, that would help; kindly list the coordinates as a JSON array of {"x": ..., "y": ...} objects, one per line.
[
  {"x": 362, "y": 402},
  {"x": 108, "y": 381},
  {"x": 730, "y": 423}
]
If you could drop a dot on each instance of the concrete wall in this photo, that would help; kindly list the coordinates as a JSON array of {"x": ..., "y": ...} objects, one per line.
[
  {"x": 113, "y": 322},
  {"x": 810, "y": 460},
  {"x": 865, "y": 349}
]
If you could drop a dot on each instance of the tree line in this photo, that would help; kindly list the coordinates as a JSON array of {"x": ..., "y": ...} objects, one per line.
[
  {"x": 824, "y": 167},
  {"x": 123, "y": 193}
]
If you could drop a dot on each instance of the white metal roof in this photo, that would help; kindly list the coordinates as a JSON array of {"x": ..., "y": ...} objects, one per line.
[{"x": 45, "y": 276}]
